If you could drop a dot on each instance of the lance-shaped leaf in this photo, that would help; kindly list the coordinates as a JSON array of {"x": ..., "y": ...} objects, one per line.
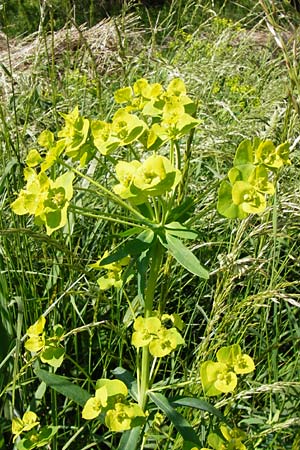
[
  {"x": 132, "y": 247},
  {"x": 130, "y": 439},
  {"x": 179, "y": 422},
  {"x": 183, "y": 255},
  {"x": 178, "y": 230},
  {"x": 64, "y": 386},
  {"x": 198, "y": 403}
]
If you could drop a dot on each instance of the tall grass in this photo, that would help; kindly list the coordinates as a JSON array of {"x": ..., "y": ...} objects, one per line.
[{"x": 244, "y": 88}]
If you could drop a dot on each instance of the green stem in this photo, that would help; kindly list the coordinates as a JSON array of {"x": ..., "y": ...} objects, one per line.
[{"x": 156, "y": 262}]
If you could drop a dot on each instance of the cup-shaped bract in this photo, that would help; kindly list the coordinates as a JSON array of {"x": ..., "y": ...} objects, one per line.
[
  {"x": 270, "y": 156},
  {"x": 124, "y": 417},
  {"x": 249, "y": 199},
  {"x": 156, "y": 176},
  {"x": 146, "y": 330},
  {"x": 165, "y": 342},
  {"x": 94, "y": 405},
  {"x": 216, "y": 378},
  {"x": 226, "y": 206}
]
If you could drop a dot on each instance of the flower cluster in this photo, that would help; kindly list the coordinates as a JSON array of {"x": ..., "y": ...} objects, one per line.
[
  {"x": 44, "y": 198},
  {"x": 49, "y": 349},
  {"x": 150, "y": 332},
  {"x": 249, "y": 178},
  {"x": 150, "y": 116},
  {"x": 33, "y": 438},
  {"x": 110, "y": 400},
  {"x": 221, "y": 376},
  {"x": 167, "y": 113}
]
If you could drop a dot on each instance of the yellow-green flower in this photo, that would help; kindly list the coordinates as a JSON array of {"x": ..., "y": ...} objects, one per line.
[
  {"x": 49, "y": 349},
  {"x": 240, "y": 362},
  {"x": 217, "y": 378},
  {"x": 113, "y": 276},
  {"x": 146, "y": 330},
  {"x": 156, "y": 176},
  {"x": 249, "y": 199},
  {"x": 122, "y": 416},
  {"x": 94, "y": 405},
  {"x": 126, "y": 172},
  {"x": 231, "y": 439},
  {"x": 165, "y": 342},
  {"x": 28, "y": 421},
  {"x": 271, "y": 156}
]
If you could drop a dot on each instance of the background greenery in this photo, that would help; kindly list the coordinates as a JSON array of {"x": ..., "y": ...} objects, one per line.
[{"x": 245, "y": 78}]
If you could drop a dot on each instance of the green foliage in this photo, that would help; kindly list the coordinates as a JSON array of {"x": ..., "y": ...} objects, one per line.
[{"x": 115, "y": 255}]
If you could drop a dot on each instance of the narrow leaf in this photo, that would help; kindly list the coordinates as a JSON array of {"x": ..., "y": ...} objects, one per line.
[
  {"x": 130, "y": 439},
  {"x": 184, "y": 256},
  {"x": 64, "y": 386},
  {"x": 180, "y": 423},
  {"x": 198, "y": 404},
  {"x": 176, "y": 229},
  {"x": 132, "y": 247}
]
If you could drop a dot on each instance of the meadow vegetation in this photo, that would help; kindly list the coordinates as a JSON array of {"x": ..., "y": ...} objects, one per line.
[{"x": 149, "y": 226}]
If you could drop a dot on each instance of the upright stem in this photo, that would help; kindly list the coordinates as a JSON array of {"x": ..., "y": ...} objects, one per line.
[{"x": 156, "y": 261}]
